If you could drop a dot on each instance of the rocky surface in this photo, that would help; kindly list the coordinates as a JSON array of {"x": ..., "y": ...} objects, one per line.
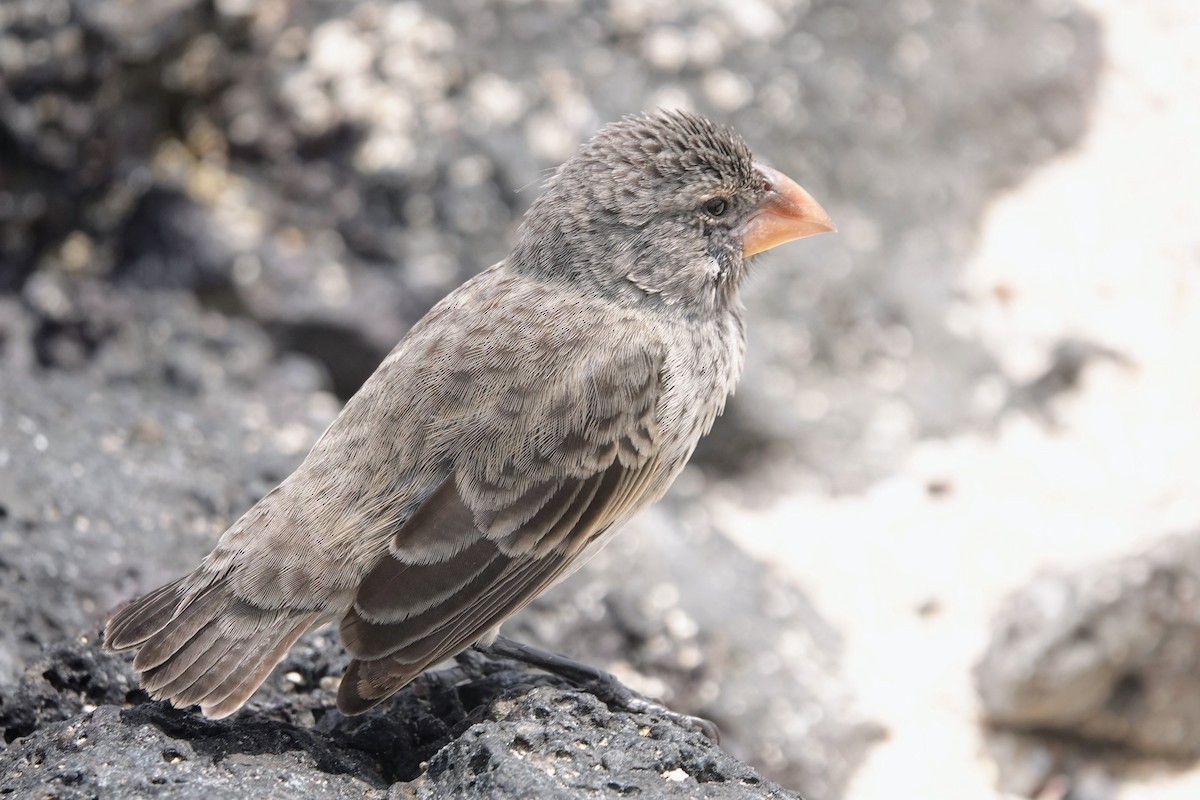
[
  {"x": 1107, "y": 653},
  {"x": 138, "y": 428},
  {"x": 486, "y": 733}
]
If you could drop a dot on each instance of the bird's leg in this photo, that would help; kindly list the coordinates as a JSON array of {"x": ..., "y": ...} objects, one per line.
[{"x": 604, "y": 685}]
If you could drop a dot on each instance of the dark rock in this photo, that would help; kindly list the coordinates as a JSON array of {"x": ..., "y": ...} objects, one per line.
[
  {"x": 1040, "y": 765},
  {"x": 169, "y": 241},
  {"x": 1106, "y": 654},
  {"x": 563, "y": 744},
  {"x": 117, "y": 473},
  {"x": 155, "y": 752},
  {"x": 1068, "y": 361},
  {"x": 82, "y": 109},
  {"x": 68, "y": 678},
  {"x": 454, "y": 733}
]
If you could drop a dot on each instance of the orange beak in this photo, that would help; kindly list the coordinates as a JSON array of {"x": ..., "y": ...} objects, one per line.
[{"x": 786, "y": 213}]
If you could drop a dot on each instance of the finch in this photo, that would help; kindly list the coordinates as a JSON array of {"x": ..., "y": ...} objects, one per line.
[{"x": 514, "y": 429}]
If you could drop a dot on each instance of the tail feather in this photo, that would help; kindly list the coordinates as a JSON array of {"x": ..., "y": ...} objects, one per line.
[
  {"x": 141, "y": 619},
  {"x": 202, "y": 644},
  {"x": 190, "y": 662},
  {"x": 236, "y": 689},
  {"x": 366, "y": 684},
  {"x": 191, "y": 617},
  {"x": 356, "y": 696}
]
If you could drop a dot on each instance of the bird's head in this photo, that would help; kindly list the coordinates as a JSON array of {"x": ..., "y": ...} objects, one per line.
[{"x": 666, "y": 206}]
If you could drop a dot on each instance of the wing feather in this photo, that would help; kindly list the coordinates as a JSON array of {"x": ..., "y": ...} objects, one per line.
[{"x": 518, "y": 568}]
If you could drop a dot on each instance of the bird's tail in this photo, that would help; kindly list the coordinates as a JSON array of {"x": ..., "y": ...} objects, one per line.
[{"x": 199, "y": 643}]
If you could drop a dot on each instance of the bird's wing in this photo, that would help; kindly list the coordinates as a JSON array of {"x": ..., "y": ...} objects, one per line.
[
  {"x": 408, "y": 616},
  {"x": 544, "y": 460}
]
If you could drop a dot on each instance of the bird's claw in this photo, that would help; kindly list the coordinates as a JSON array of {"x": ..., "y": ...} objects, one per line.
[
  {"x": 604, "y": 685},
  {"x": 608, "y": 689},
  {"x": 708, "y": 728}
]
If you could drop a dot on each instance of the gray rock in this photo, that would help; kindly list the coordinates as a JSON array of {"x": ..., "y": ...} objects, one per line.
[
  {"x": 560, "y": 744},
  {"x": 1106, "y": 654},
  {"x": 82, "y": 109},
  {"x": 114, "y": 753},
  {"x": 1046, "y": 764},
  {"x": 137, "y": 429},
  {"x": 491, "y": 734}
]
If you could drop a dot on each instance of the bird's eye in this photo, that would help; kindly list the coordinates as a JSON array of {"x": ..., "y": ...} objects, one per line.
[{"x": 716, "y": 207}]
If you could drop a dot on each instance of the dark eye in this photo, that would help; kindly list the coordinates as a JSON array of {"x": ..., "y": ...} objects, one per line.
[{"x": 716, "y": 207}]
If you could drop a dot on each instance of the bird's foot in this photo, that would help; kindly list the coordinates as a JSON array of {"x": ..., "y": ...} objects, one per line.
[{"x": 604, "y": 685}]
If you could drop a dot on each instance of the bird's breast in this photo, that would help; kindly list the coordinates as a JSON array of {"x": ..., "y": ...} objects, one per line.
[{"x": 702, "y": 368}]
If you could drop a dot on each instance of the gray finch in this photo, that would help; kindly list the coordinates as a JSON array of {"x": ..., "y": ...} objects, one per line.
[{"x": 510, "y": 434}]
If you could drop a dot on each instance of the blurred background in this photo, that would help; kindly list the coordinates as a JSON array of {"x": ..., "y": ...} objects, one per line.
[{"x": 945, "y": 541}]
